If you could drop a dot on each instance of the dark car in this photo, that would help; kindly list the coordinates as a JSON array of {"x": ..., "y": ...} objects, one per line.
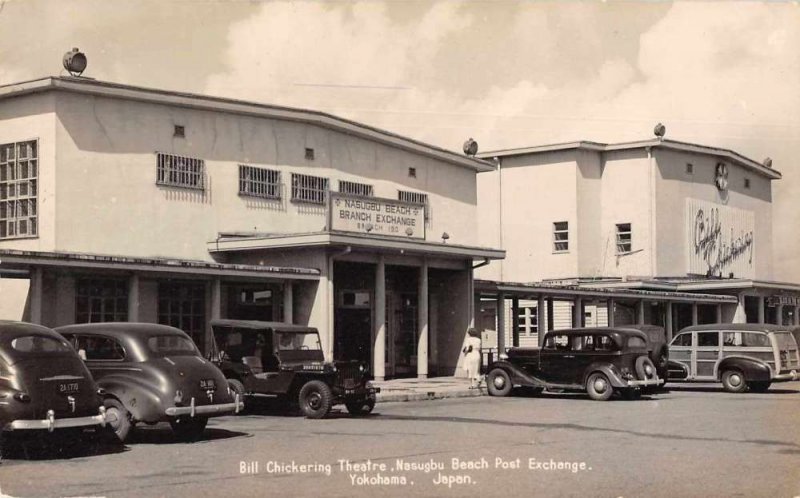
[
  {"x": 657, "y": 347},
  {"x": 286, "y": 361},
  {"x": 44, "y": 385},
  {"x": 742, "y": 356},
  {"x": 599, "y": 361},
  {"x": 152, "y": 373}
]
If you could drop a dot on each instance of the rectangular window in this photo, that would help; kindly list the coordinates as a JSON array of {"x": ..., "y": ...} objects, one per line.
[
  {"x": 259, "y": 182},
  {"x": 19, "y": 189},
  {"x": 354, "y": 188},
  {"x": 179, "y": 171},
  {"x": 101, "y": 300},
  {"x": 182, "y": 305},
  {"x": 527, "y": 320},
  {"x": 561, "y": 236},
  {"x": 746, "y": 183},
  {"x": 689, "y": 168},
  {"x": 624, "y": 241},
  {"x": 307, "y": 188},
  {"x": 415, "y": 198}
]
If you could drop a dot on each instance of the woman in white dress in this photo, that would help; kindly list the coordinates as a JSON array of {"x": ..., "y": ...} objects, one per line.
[{"x": 472, "y": 357}]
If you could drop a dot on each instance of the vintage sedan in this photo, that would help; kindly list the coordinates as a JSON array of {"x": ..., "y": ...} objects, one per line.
[
  {"x": 742, "y": 356},
  {"x": 152, "y": 373},
  {"x": 44, "y": 385},
  {"x": 600, "y": 361}
]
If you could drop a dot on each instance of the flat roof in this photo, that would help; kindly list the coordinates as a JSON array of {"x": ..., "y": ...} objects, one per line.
[
  {"x": 696, "y": 284},
  {"x": 641, "y": 144},
  {"x": 234, "y": 106}
]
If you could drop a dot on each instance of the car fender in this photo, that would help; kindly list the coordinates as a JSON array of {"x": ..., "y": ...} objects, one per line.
[
  {"x": 142, "y": 399},
  {"x": 751, "y": 368},
  {"x": 518, "y": 375},
  {"x": 610, "y": 371}
]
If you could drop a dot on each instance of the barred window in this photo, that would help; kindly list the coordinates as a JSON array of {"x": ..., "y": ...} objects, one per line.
[
  {"x": 355, "y": 188},
  {"x": 179, "y": 171},
  {"x": 19, "y": 188},
  {"x": 561, "y": 236},
  {"x": 624, "y": 239},
  {"x": 307, "y": 188},
  {"x": 259, "y": 182},
  {"x": 101, "y": 300},
  {"x": 415, "y": 198}
]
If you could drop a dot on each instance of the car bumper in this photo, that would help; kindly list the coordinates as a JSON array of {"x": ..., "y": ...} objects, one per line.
[
  {"x": 644, "y": 383},
  {"x": 206, "y": 410},
  {"x": 52, "y": 423},
  {"x": 793, "y": 375}
]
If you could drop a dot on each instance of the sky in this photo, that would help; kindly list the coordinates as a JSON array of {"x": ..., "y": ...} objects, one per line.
[{"x": 508, "y": 74}]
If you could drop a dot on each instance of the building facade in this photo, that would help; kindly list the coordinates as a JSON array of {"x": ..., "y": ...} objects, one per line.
[
  {"x": 689, "y": 226},
  {"x": 126, "y": 203}
]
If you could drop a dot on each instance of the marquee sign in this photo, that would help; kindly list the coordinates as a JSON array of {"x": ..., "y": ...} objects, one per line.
[
  {"x": 374, "y": 215},
  {"x": 720, "y": 240}
]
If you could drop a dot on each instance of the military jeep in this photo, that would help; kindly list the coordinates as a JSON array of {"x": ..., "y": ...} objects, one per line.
[{"x": 286, "y": 361}]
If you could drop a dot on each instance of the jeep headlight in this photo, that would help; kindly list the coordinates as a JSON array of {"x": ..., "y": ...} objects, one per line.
[{"x": 361, "y": 368}]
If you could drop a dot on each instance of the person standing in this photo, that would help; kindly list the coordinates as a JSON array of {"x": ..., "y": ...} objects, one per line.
[{"x": 472, "y": 357}]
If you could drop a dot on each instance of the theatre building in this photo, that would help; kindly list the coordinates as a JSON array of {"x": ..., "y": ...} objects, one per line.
[
  {"x": 120, "y": 203},
  {"x": 654, "y": 232}
]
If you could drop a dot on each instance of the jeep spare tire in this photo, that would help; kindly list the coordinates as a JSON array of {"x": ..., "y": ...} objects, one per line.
[
  {"x": 498, "y": 382},
  {"x": 315, "y": 399}
]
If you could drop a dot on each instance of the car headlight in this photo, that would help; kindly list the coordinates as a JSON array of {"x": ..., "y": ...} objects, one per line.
[{"x": 648, "y": 370}]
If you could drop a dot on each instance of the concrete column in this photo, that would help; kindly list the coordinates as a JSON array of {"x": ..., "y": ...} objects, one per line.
[
  {"x": 515, "y": 322},
  {"x": 577, "y": 312},
  {"x": 422, "y": 321},
  {"x": 288, "y": 302},
  {"x": 668, "y": 320},
  {"x": 541, "y": 318},
  {"x": 133, "y": 298},
  {"x": 36, "y": 295},
  {"x": 379, "y": 346},
  {"x": 694, "y": 313},
  {"x": 610, "y": 311},
  {"x": 551, "y": 321},
  {"x": 719, "y": 313},
  {"x": 761, "y": 309},
  {"x": 797, "y": 315},
  {"x": 501, "y": 323},
  {"x": 640, "y": 312},
  {"x": 779, "y": 314}
]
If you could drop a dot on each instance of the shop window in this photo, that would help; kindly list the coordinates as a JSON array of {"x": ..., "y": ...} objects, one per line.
[
  {"x": 19, "y": 168},
  {"x": 101, "y": 300},
  {"x": 624, "y": 238},
  {"x": 182, "y": 305},
  {"x": 180, "y": 171},
  {"x": 354, "y": 188},
  {"x": 527, "y": 320},
  {"x": 415, "y": 198},
  {"x": 354, "y": 299},
  {"x": 259, "y": 182},
  {"x": 307, "y": 188},
  {"x": 561, "y": 236}
]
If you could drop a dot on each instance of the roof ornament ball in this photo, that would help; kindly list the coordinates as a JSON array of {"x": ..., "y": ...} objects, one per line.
[
  {"x": 660, "y": 130},
  {"x": 768, "y": 162},
  {"x": 75, "y": 62},
  {"x": 470, "y": 147}
]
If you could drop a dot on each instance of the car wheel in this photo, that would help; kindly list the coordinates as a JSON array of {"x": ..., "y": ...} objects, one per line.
[
  {"x": 759, "y": 386},
  {"x": 237, "y": 388},
  {"x": 733, "y": 381},
  {"x": 361, "y": 407},
  {"x": 187, "y": 428},
  {"x": 315, "y": 399},
  {"x": 598, "y": 387},
  {"x": 499, "y": 382},
  {"x": 118, "y": 418}
]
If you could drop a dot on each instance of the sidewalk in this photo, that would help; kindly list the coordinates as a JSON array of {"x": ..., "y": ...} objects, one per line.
[{"x": 425, "y": 389}]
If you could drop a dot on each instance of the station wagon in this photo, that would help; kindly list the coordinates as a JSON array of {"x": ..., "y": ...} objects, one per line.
[{"x": 741, "y": 356}]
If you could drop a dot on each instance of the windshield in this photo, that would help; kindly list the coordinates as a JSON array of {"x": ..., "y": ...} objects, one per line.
[
  {"x": 171, "y": 345},
  {"x": 298, "y": 341},
  {"x": 37, "y": 344}
]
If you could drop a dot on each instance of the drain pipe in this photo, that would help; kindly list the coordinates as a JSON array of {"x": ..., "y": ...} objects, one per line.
[{"x": 331, "y": 298}]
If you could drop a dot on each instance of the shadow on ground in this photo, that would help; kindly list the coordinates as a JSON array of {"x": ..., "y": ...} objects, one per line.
[{"x": 60, "y": 445}]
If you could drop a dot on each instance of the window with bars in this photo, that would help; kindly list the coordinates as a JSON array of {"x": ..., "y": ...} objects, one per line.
[
  {"x": 354, "y": 188},
  {"x": 561, "y": 236},
  {"x": 180, "y": 171},
  {"x": 259, "y": 182},
  {"x": 101, "y": 300},
  {"x": 624, "y": 239},
  {"x": 19, "y": 189},
  {"x": 528, "y": 320},
  {"x": 308, "y": 188},
  {"x": 414, "y": 198},
  {"x": 182, "y": 305}
]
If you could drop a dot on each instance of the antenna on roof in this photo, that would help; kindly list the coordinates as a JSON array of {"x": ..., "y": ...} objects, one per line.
[
  {"x": 75, "y": 62},
  {"x": 660, "y": 130}
]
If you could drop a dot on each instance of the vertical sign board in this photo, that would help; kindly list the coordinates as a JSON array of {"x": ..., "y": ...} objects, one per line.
[
  {"x": 376, "y": 216},
  {"x": 720, "y": 240}
]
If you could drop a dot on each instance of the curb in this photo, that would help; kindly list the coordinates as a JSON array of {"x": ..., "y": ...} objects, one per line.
[{"x": 390, "y": 397}]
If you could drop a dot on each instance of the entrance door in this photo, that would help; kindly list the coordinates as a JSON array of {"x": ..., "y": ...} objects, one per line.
[
  {"x": 353, "y": 332},
  {"x": 401, "y": 318}
]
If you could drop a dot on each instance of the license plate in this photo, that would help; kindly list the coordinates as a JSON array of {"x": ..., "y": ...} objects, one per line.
[
  {"x": 208, "y": 385},
  {"x": 68, "y": 387}
]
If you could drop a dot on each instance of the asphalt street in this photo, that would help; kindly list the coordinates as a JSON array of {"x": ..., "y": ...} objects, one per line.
[{"x": 695, "y": 440}]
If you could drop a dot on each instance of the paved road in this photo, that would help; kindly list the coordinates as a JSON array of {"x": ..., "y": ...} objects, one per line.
[{"x": 694, "y": 441}]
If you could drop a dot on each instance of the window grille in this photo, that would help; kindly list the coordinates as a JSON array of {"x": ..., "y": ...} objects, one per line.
[
  {"x": 354, "y": 188},
  {"x": 307, "y": 188},
  {"x": 101, "y": 300},
  {"x": 259, "y": 182},
  {"x": 624, "y": 239},
  {"x": 179, "y": 171},
  {"x": 414, "y": 197},
  {"x": 561, "y": 236},
  {"x": 19, "y": 170}
]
